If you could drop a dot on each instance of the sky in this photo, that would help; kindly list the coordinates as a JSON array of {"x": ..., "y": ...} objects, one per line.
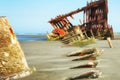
[{"x": 32, "y": 16}]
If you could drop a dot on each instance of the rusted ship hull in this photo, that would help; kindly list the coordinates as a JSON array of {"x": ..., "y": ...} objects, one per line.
[{"x": 94, "y": 24}]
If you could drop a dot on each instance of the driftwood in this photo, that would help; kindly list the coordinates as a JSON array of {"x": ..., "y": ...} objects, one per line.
[
  {"x": 86, "y": 57},
  {"x": 89, "y": 55},
  {"x": 84, "y": 52},
  {"x": 90, "y": 64},
  {"x": 92, "y": 56},
  {"x": 88, "y": 75}
]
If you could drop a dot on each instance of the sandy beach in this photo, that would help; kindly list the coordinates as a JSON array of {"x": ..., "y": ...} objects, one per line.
[{"x": 49, "y": 59}]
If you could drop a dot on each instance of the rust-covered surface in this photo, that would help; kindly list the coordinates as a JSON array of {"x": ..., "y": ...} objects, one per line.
[
  {"x": 94, "y": 23},
  {"x": 13, "y": 64}
]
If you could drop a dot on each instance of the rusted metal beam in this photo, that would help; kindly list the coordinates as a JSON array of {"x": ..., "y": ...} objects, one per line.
[{"x": 92, "y": 4}]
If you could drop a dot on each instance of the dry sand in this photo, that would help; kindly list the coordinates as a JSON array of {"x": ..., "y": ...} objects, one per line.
[{"x": 49, "y": 59}]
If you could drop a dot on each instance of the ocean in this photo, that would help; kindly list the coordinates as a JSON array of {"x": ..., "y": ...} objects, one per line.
[
  {"x": 42, "y": 37},
  {"x": 31, "y": 37}
]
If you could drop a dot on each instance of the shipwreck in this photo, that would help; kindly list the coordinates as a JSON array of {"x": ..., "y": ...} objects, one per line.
[{"x": 94, "y": 24}]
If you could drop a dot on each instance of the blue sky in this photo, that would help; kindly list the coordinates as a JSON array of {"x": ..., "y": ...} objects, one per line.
[{"x": 32, "y": 16}]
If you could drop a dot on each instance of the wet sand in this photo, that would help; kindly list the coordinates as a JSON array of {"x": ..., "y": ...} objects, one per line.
[{"x": 49, "y": 59}]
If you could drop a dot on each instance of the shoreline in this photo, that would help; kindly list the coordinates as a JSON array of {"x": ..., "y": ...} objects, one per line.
[
  {"x": 49, "y": 59},
  {"x": 44, "y": 38}
]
